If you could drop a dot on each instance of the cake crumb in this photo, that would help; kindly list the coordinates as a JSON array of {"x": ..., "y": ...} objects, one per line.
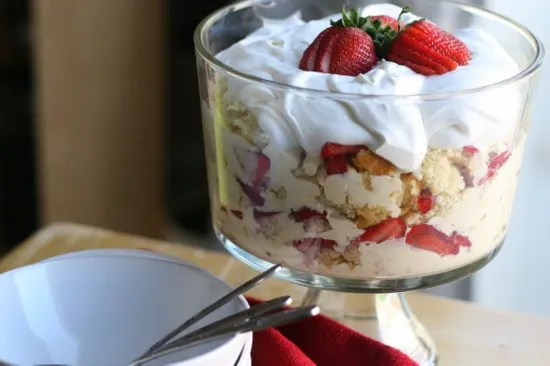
[
  {"x": 367, "y": 161},
  {"x": 371, "y": 215},
  {"x": 440, "y": 173},
  {"x": 330, "y": 257}
]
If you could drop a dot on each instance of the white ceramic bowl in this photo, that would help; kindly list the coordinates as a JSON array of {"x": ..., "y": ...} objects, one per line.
[
  {"x": 137, "y": 253},
  {"x": 106, "y": 309}
]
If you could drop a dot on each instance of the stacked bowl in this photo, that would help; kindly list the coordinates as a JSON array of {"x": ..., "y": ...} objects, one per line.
[{"x": 106, "y": 307}]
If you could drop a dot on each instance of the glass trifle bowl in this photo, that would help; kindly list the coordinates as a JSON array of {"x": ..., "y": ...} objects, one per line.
[{"x": 366, "y": 154}]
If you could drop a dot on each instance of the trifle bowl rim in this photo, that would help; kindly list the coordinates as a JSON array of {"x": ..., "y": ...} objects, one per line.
[{"x": 202, "y": 50}]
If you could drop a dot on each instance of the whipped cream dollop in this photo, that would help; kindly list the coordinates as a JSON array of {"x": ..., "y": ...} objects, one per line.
[{"x": 400, "y": 130}]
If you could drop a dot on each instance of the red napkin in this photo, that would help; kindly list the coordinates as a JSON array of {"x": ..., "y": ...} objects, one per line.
[{"x": 320, "y": 341}]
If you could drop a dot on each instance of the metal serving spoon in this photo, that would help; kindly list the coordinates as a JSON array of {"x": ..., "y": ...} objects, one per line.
[
  {"x": 252, "y": 324},
  {"x": 210, "y": 309}
]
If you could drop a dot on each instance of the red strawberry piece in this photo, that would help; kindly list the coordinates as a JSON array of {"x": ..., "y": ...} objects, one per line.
[
  {"x": 428, "y": 49},
  {"x": 390, "y": 228},
  {"x": 466, "y": 175},
  {"x": 427, "y": 237},
  {"x": 332, "y": 149},
  {"x": 461, "y": 240},
  {"x": 252, "y": 193},
  {"x": 310, "y": 54},
  {"x": 495, "y": 164},
  {"x": 254, "y": 163},
  {"x": 336, "y": 165},
  {"x": 340, "y": 50},
  {"x": 306, "y": 213},
  {"x": 311, "y": 247},
  {"x": 384, "y": 22},
  {"x": 312, "y": 220},
  {"x": 335, "y": 156},
  {"x": 258, "y": 215},
  {"x": 306, "y": 243},
  {"x": 470, "y": 149},
  {"x": 425, "y": 201},
  {"x": 238, "y": 214}
]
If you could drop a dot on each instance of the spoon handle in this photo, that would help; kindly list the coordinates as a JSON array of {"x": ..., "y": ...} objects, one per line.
[
  {"x": 252, "y": 325},
  {"x": 211, "y": 308},
  {"x": 242, "y": 316}
]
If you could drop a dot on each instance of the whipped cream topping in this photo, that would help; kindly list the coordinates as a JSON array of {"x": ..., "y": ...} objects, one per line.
[{"x": 400, "y": 130}]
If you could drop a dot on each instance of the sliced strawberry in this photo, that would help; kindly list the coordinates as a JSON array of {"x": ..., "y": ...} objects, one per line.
[
  {"x": 461, "y": 240},
  {"x": 238, "y": 214},
  {"x": 340, "y": 49},
  {"x": 425, "y": 201},
  {"x": 427, "y": 237},
  {"x": 470, "y": 149},
  {"x": 390, "y": 228},
  {"x": 306, "y": 243},
  {"x": 252, "y": 193},
  {"x": 495, "y": 164},
  {"x": 336, "y": 165},
  {"x": 467, "y": 176},
  {"x": 306, "y": 213},
  {"x": 254, "y": 163},
  {"x": 352, "y": 53},
  {"x": 258, "y": 215},
  {"x": 332, "y": 149},
  {"x": 312, "y": 220},
  {"x": 310, "y": 55},
  {"x": 427, "y": 49},
  {"x": 262, "y": 167},
  {"x": 311, "y": 247}
]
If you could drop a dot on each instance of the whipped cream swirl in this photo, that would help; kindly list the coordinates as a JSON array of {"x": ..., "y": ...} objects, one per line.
[{"x": 400, "y": 130}]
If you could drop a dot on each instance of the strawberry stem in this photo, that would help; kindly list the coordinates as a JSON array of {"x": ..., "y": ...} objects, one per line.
[
  {"x": 382, "y": 34},
  {"x": 404, "y": 11}
]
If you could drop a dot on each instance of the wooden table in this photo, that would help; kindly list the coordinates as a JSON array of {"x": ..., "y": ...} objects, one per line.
[{"x": 466, "y": 334}]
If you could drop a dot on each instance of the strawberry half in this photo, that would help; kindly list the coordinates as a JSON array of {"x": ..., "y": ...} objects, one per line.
[
  {"x": 427, "y": 49},
  {"x": 340, "y": 50},
  {"x": 349, "y": 46},
  {"x": 390, "y": 228},
  {"x": 427, "y": 237}
]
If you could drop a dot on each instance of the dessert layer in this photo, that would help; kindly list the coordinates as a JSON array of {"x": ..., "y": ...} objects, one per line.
[
  {"x": 371, "y": 221},
  {"x": 400, "y": 131}
]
